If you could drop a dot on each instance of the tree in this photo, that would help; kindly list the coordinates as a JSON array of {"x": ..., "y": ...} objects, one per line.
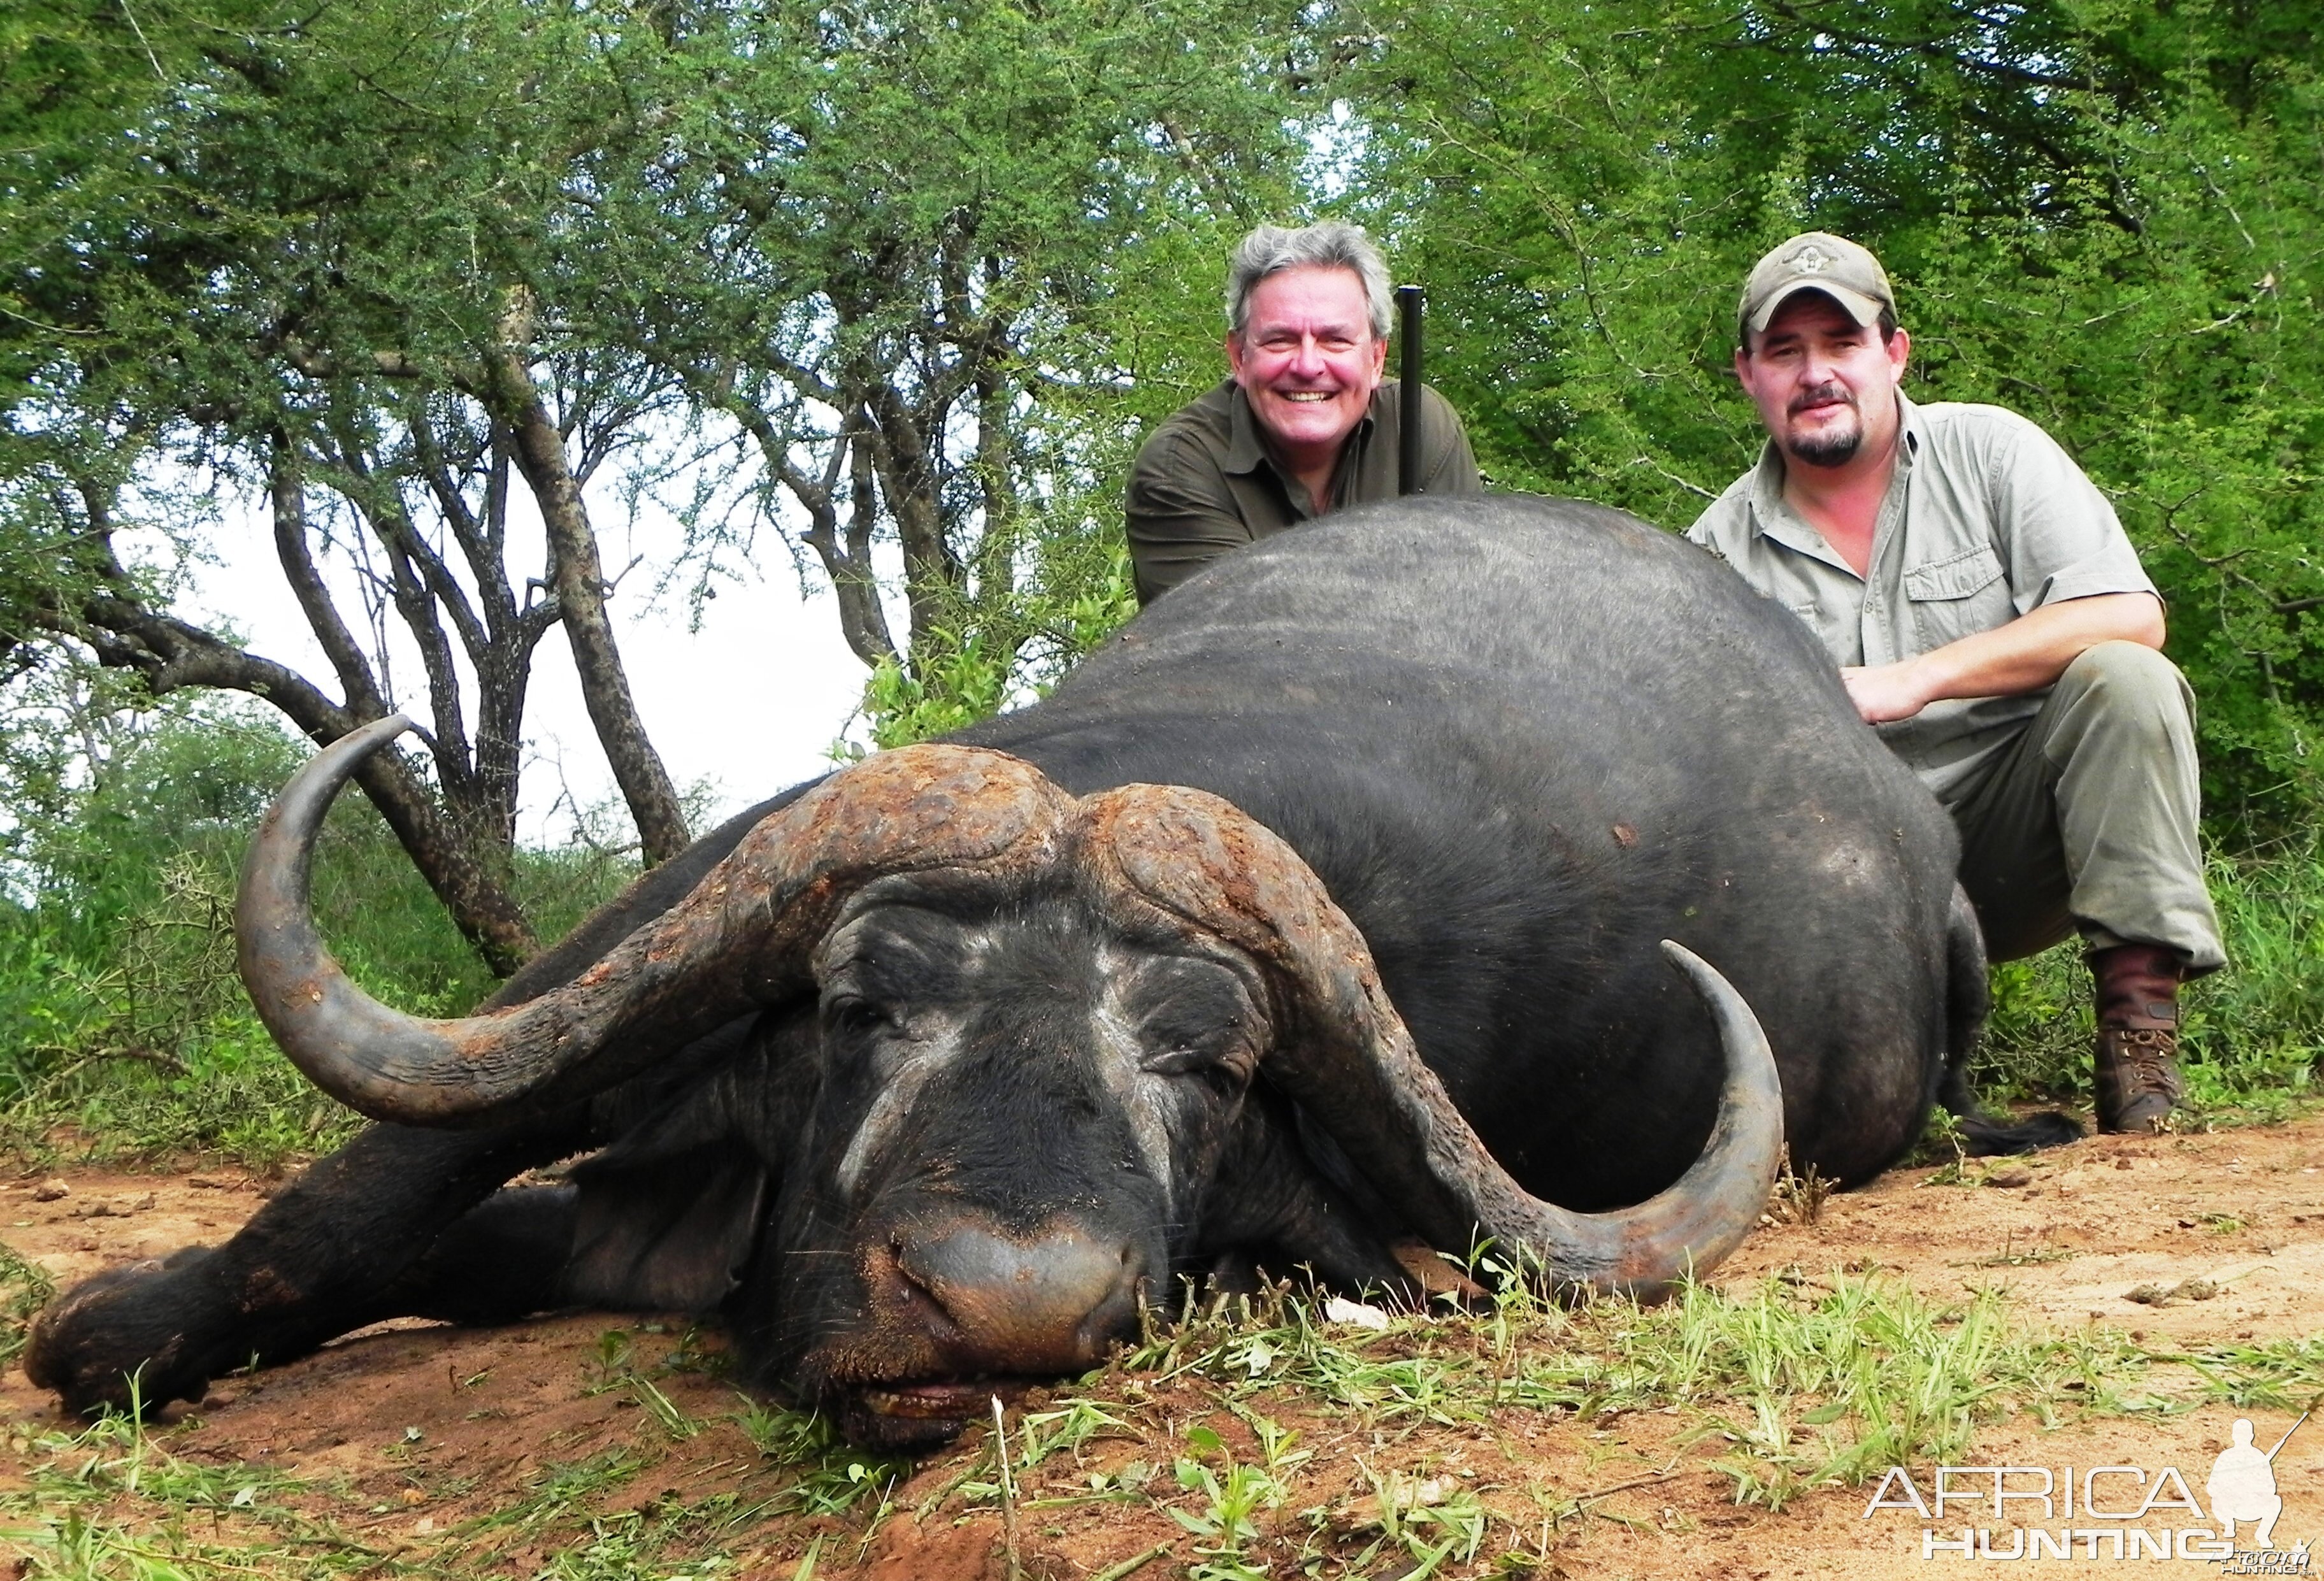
[
  {"x": 2101, "y": 214},
  {"x": 389, "y": 269},
  {"x": 260, "y": 285},
  {"x": 903, "y": 255}
]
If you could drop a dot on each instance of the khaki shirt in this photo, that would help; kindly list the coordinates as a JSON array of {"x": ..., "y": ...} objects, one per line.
[
  {"x": 1203, "y": 484},
  {"x": 1985, "y": 519}
]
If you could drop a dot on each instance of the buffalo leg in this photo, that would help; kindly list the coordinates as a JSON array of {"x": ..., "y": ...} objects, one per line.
[
  {"x": 505, "y": 1259},
  {"x": 1969, "y": 997},
  {"x": 321, "y": 1258}
]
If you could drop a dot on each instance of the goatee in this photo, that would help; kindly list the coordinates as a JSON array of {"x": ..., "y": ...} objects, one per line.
[
  {"x": 1827, "y": 446},
  {"x": 1827, "y": 449}
]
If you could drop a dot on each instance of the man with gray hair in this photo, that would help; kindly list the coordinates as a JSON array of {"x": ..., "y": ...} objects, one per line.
[{"x": 1304, "y": 424}]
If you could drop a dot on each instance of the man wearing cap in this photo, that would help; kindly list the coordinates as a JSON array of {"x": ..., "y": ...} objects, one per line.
[
  {"x": 1990, "y": 617},
  {"x": 1304, "y": 424}
]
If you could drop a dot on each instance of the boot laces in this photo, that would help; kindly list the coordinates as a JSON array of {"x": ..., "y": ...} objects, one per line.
[{"x": 2142, "y": 1054}]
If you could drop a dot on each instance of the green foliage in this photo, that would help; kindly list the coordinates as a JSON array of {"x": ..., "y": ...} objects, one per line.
[
  {"x": 120, "y": 1013},
  {"x": 110, "y": 1502},
  {"x": 2252, "y": 1035},
  {"x": 901, "y": 276},
  {"x": 2275, "y": 1374},
  {"x": 997, "y": 234},
  {"x": 1000, "y": 650},
  {"x": 1229, "y": 1497},
  {"x": 833, "y": 1476},
  {"x": 25, "y": 1288},
  {"x": 2102, "y": 214},
  {"x": 1799, "y": 1383}
]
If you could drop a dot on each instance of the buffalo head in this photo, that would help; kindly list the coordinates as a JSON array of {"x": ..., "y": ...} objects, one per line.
[{"x": 1010, "y": 1061}]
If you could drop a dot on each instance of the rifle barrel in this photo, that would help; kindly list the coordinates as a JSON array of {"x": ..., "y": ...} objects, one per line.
[
  {"x": 2294, "y": 1427},
  {"x": 1408, "y": 418}
]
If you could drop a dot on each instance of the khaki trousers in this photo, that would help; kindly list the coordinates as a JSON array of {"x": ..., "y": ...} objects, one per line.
[{"x": 2088, "y": 823}]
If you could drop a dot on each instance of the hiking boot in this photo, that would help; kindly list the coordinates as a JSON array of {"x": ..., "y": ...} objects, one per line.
[{"x": 2138, "y": 1081}]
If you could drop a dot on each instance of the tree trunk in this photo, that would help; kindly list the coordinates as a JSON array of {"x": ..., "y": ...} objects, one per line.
[
  {"x": 170, "y": 654},
  {"x": 577, "y": 579}
]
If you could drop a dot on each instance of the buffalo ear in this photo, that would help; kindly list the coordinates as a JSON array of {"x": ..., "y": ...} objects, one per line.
[
  {"x": 669, "y": 1214},
  {"x": 668, "y": 1234}
]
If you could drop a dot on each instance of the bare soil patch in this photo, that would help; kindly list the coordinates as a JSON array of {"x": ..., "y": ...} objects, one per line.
[{"x": 405, "y": 1438}]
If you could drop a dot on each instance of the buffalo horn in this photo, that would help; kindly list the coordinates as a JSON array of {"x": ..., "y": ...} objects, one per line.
[
  {"x": 1342, "y": 1051},
  {"x": 740, "y": 939}
]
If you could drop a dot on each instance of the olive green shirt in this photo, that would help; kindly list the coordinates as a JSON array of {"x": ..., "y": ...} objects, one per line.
[
  {"x": 1204, "y": 483},
  {"x": 1985, "y": 519}
]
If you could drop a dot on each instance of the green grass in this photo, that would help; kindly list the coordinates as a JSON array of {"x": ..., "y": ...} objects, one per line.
[
  {"x": 117, "y": 1500},
  {"x": 1809, "y": 1385},
  {"x": 2252, "y": 1035},
  {"x": 133, "y": 1040},
  {"x": 25, "y": 1288},
  {"x": 2273, "y": 1374},
  {"x": 1792, "y": 1385},
  {"x": 110, "y": 1503}
]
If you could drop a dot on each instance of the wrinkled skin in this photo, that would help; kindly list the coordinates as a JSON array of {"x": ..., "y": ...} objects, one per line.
[{"x": 983, "y": 1117}]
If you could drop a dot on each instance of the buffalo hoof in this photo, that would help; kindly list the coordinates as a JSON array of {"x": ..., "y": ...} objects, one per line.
[{"x": 118, "y": 1342}]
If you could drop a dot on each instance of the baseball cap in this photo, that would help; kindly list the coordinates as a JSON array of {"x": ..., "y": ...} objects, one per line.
[{"x": 1816, "y": 260}]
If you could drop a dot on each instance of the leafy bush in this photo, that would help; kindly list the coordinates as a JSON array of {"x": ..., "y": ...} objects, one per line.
[
  {"x": 2252, "y": 1035},
  {"x": 1013, "y": 638},
  {"x": 124, "y": 1029},
  {"x": 2104, "y": 216}
]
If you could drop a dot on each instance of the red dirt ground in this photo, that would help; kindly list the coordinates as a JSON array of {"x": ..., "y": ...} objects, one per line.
[{"x": 429, "y": 1427}]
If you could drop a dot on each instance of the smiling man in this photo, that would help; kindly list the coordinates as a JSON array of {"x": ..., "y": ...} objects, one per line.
[
  {"x": 1990, "y": 616},
  {"x": 1304, "y": 424}
]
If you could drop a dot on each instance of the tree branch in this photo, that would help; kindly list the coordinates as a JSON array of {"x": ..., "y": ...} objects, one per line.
[
  {"x": 577, "y": 577},
  {"x": 291, "y": 548}
]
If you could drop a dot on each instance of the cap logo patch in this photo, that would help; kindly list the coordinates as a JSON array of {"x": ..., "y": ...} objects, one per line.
[{"x": 1811, "y": 260}]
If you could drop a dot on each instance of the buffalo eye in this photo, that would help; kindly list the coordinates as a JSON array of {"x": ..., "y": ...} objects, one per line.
[
  {"x": 1190, "y": 1017},
  {"x": 854, "y": 1013},
  {"x": 1226, "y": 1063},
  {"x": 1178, "y": 1061}
]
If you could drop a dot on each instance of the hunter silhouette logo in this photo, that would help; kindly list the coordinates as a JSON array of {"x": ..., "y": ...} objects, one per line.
[
  {"x": 2242, "y": 1484},
  {"x": 2106, "y": 1512}
]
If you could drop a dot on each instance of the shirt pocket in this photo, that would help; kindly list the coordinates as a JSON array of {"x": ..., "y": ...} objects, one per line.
[{"x": 1958, "y": 597}]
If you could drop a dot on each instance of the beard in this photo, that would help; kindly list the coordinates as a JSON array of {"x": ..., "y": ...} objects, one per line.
[
  {"x": 1827, "y": 449},
  {"x": 1827, "y": 446}
]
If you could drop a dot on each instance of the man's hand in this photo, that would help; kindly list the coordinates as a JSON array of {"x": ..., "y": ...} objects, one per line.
[
  {"x": 1884, "y": 691},
  {"x": 2025, "y": 656}
]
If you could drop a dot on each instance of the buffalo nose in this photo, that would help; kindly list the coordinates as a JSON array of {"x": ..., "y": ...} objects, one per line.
[{"x": 1049, "y": 1302}]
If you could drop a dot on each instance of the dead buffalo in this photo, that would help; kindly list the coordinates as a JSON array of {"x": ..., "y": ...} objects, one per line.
[{"x": 1323, "y": 908}]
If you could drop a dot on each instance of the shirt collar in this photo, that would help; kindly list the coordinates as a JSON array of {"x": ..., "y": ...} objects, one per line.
[
  {"x": 1908, "y": 425},
  {"x": 1245, "y": 451}
]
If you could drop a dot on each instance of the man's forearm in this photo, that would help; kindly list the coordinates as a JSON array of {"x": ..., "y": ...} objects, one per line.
[{"x": 2026, "y": 655}]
